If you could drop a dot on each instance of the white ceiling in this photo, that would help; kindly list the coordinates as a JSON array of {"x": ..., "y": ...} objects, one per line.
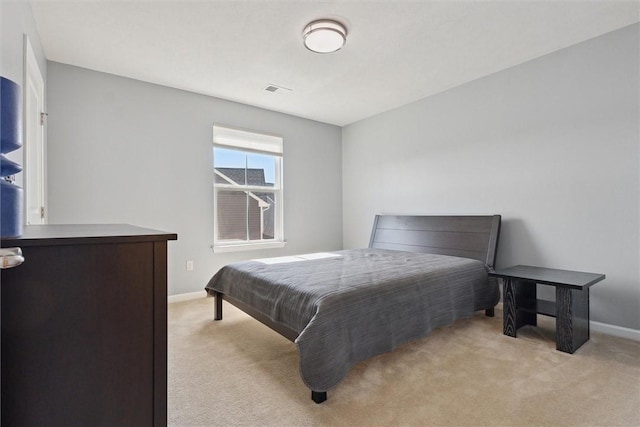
[{"x": 396, "y": 52}]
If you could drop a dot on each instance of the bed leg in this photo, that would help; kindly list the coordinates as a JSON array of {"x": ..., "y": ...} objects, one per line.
[
  {"x": 217, "y": 309},
  {"x": 490, "y": 312},
  {"x": 318, "y": 396}
]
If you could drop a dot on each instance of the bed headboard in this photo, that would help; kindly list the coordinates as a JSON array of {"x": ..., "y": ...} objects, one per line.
[{"x": 473, "y": 237}]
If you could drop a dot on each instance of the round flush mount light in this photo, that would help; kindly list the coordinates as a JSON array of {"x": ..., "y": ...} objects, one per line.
[{"x": 324, "y": 36}]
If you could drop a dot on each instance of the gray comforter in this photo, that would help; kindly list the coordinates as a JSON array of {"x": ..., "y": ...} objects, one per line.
[{"x": 355, "y": 304}]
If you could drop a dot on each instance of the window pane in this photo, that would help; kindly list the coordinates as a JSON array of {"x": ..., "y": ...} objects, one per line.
[
  {"x": 265, "y": 216},
  {"x": 232, "y": 215},
  {"x": 230, "y": 165},
  {"x": 246, "y": 215},
  {"x": 261, "y": 169}
]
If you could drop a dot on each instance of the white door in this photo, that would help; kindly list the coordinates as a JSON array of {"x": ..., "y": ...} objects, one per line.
[{"x": 34, "y": 156}]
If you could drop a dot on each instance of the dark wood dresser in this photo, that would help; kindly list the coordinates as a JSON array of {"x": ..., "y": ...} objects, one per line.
[{"x": 84, "y": 327}]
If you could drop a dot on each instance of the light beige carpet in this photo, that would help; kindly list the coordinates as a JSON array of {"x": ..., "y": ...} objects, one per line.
[{"x": 239, "y": 372}]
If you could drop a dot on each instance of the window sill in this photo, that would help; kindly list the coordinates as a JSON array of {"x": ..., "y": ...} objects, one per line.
[{"x": 247, "y": 247}]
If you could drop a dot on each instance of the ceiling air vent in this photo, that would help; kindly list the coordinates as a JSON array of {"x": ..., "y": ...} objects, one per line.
[{"x": 275, "y": 88}]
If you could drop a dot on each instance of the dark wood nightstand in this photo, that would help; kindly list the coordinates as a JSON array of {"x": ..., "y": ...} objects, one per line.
[{"x": 571, "y": 308}]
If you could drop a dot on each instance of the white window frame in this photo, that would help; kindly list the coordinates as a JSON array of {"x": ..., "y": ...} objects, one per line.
[{"x": 252, "y": 142}]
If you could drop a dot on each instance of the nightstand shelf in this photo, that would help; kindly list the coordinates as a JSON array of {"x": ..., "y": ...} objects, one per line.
[
  {"x": 547, "y": 308},
  {"x": 571, "y": 308}
]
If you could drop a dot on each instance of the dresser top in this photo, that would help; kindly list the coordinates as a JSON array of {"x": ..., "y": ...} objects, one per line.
[{"x": 73, "y": 234}]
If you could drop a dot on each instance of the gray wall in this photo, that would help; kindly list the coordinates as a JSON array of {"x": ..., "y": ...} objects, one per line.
[
  {"x": 552, "y": 145},
  {"x": 16, "y": 21},
  {"x": 124, "y": 151}
]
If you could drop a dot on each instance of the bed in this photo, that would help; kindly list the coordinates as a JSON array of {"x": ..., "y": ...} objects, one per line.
[{"x": 418, "y": 273}]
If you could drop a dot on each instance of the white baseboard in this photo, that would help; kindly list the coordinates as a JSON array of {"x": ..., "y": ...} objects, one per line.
[
  {"x": 616, "y": 331},
  {"x": 606, "y": 328},
  {"x": 186, "y": 297}
]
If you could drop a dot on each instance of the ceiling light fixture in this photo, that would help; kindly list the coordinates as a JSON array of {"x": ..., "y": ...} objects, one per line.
[{"x": 324, "y": 36}]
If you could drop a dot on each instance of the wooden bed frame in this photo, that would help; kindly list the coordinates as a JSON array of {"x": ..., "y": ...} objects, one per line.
[{"x": 474, "y": 237}]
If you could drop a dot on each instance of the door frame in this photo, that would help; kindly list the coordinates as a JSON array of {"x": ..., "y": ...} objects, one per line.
[{"x": 33, "y": 75}]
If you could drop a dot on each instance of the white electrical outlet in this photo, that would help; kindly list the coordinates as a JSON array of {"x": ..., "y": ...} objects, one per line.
[{"x": 190, "y": 265}]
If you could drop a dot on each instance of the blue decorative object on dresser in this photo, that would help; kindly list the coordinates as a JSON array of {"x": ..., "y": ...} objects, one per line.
[
  {"x": 11, "y": 123},
  {"x": 8, "y": 167},
  {"x": 11, "y": 195}
]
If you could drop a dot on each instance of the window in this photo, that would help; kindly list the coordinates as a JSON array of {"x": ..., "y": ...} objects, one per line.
[{"x": 247, "y": 190}]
